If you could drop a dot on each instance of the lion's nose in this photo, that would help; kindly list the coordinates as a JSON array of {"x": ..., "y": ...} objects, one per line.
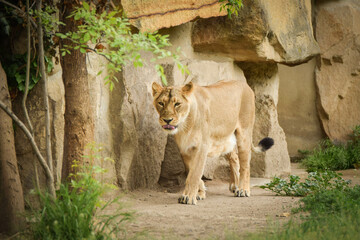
[{"x": 167, "y": 120}]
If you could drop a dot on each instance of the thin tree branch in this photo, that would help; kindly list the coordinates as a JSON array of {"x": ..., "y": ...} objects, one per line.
[
  {"x": 27, "y": 71},
  {"x": 101, "y": 54},
  {"x": 40, "y": 36},
  {"x": 42, "y": 161},
  {"x": 27, "y": 79},
  {"x": 22, "y": 13}
]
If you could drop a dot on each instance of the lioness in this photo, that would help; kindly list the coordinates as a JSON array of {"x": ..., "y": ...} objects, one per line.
[{"x": 208, "y": 122}]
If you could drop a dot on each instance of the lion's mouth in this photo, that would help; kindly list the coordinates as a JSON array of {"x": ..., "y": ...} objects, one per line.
[{"x": 169, "y": 127}]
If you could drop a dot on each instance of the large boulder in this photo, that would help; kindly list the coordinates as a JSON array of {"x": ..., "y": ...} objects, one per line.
[
  {"x": 263, "y": 78},
  {"x": 265, "y": 30},
  {"x": 297, "y": 111},
  {"x": 338, "y": 73},
  {"x": 152, "y": 15},
  {"x": 138, "y": 142}
]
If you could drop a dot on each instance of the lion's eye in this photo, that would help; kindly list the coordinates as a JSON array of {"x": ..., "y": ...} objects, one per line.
[
  {"x": 177, "y": 104},
  {"x": 161, "y": 104}
]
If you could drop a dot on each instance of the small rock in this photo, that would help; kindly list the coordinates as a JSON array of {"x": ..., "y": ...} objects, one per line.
[{"x": 285, "y": 214}]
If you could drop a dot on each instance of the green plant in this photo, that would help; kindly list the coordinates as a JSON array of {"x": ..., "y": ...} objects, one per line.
[
  {"x": 78, "y": 211},
  {"x": 49, "y": 22},
  {"x": 353, "y": 147},
  {"x": 315, "y": 181},
  {"x": 15, "y": 64},
  {"x": 231, "y": 6},
  {"x": 113, "y": 30},
  {"x": 15, "y": 69},
  {"x": 328, "y": 155},
  {"x": 332, "y": 201}
]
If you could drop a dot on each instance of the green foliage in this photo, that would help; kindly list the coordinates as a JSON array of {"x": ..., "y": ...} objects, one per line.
[
  {"x": 49, "y": 22},
  {"x": 231, "y": 6},
  {"x": 329, "y": 214},
  {"x": 315, "y": 182},
  {"x": 332, "y": 201},
  {"x": 15, "y": 70},
  {"x": 15, "y": 65},
  {"x": 124, "y": 46},
  {"x": 334, "y": 157},
  {"x": 78, "y": 211}
]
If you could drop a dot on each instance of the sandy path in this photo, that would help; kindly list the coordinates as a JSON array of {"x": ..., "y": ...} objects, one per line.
[{"x": 161, "y": 215}]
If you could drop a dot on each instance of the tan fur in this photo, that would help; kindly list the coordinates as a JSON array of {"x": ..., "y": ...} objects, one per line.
[{"x": 206, "y": 121}]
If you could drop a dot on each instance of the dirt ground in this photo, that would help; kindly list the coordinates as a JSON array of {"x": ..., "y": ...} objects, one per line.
[{"x": 159, "y": 214}]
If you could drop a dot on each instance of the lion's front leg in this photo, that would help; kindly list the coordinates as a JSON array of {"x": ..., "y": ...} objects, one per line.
[
  {"x": 189, "y": 195},
  {"x": 194, "y": 186}
]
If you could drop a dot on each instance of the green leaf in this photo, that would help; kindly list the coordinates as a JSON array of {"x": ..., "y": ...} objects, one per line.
[
  {"x": 111, "y": 14},
  {"x": 85, "y": 5},
  {"x": 86, "y": 37},
  {"x": 77, "y": 17},
  {"x": 19, "y": 78},
  {"x": 60, "y": 35},
  {"x": 111, "y": 86},
  {"x": 82, "y": 50}
]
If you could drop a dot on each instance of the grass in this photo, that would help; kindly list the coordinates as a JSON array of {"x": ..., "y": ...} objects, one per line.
[
  {"x": 324, "y": 215},
  {"x": 78, "y": 211},
  {"x": 334, "y": 156}
]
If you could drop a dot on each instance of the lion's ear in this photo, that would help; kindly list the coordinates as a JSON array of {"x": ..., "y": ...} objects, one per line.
[
  {"x": 156, "y": 88},
  {"x": 188, "y": 88}
]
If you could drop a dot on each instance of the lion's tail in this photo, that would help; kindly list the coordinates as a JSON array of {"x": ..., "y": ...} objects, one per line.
[{"x": 264, "y": 144}]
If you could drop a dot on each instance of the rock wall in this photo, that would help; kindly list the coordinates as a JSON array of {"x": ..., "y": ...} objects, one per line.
[
  {"x": 246, "y": 48},
  {"x": 265, "y": 30},
  {"x": 297, "y": 107},
  {"x": 154, "y": 15},
  {"x": 338, "y": 68}
]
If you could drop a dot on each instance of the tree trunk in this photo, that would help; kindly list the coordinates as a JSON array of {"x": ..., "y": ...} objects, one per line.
[
  {"x": 79, "y": 123},
  {"x": 11, "y": 193}
]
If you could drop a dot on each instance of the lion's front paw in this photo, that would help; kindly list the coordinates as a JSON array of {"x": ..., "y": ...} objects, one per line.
[
  {"x": 186, "y": 199},
  {"x": 242, "y": 193}
]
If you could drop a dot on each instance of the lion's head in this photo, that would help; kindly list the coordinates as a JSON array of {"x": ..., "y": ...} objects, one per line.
[{"x": 172, "y": 104}]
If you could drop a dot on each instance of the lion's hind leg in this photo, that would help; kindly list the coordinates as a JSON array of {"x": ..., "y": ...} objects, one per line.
[
  {"x": 244, "y": 142},
  {"x": 233, "y": 159}
]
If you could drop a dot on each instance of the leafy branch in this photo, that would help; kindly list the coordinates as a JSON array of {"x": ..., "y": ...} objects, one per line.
[{"x": 113, "y": 30}]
